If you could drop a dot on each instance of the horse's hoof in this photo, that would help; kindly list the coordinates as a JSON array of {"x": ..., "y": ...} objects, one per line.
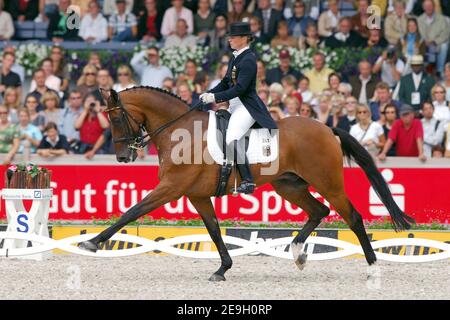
[
  {"x": 216, "y": 277},
  {"x": 301, "y": 261},
  {"x": 88, "y": 246},
  {"x": 299, "y": 255}
]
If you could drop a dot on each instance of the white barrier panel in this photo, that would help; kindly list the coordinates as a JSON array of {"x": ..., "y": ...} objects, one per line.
[
  {"x": 33, "y": 222},
  {"x": 275, "y": 247}
]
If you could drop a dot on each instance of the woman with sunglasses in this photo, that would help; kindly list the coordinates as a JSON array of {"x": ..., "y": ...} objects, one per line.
[
  {"x": 390, "y": 114},
  {"x": 88, "y": 80},
  {"x": 36, "y": 118},
  {"x": 441, "y": 105},
  {"x": 370, "y": 134},
  {"x": 9, "y": 136},
  {"x": 124, "y": 78}
]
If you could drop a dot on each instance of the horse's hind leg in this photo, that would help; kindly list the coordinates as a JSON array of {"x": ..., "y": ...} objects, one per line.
[
  {"x": 206, "y": 210},
  {"x": 295, "y": 190},
  {"x": 343, "y": 206}
]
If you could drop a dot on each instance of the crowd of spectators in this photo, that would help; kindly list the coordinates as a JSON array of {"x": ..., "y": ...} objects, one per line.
[{"x": 397, "y": 106}]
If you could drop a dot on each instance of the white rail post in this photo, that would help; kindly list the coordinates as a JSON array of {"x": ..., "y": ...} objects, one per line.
[{"x": 19, "y": 220}]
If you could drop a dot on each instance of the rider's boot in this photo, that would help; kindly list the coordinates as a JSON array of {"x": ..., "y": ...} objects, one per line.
[{"x": 247, "y": 185}]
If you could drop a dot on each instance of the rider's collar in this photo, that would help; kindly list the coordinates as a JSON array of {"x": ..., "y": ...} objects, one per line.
[{"x": 236, "y": 53}]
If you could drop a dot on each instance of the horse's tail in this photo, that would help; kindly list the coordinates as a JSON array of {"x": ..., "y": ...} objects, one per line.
[{"x": 352, "y": 149}]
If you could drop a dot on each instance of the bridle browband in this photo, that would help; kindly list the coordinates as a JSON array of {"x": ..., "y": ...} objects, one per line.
[{"x": 138, "y": 140}]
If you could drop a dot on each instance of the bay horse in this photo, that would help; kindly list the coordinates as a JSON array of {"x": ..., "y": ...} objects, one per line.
[{"x": 309, "y": 155}]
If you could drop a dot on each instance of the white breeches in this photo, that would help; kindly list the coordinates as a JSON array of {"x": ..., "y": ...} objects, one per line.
[{"x": 240, "y": 121}]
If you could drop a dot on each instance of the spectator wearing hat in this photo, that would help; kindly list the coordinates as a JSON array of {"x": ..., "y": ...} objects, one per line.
[
  {"x": 381, "y": 99},
  {"x": 284, "y": 69},
  {"x": 433, "y": 129},
  {"x": 363, "y": 85},
  {"x": 299, "y": 21},
  {"x": 435, "y": 30},
  {"x": 415, "y": 88},
  {"x": 407, "y": 133},
  {"x": 283, "y": 38},
  {"x": 122, "y": 25},
  {"x": 328, "y": 20},
  {"x": 345, "y": 36},
  {"x": 269, "y": 17},
  {"x": 318, "y": 75},
  {"x": 171, "y": 16}
]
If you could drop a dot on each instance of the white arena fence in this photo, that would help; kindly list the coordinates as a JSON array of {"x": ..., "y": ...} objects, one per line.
[{"x": 276, "y": 247}]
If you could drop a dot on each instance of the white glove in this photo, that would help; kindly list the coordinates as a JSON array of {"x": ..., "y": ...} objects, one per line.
[{"x": 207, "y": 98}]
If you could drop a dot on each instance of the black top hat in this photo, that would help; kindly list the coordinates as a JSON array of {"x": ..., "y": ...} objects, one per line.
[{"x": 239, "y": 29}]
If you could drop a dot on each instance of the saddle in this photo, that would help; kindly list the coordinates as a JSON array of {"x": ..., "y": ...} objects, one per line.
[{"x": 261, "y": 146}]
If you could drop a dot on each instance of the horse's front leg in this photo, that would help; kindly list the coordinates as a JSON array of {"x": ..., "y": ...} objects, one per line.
[
  {"x": 206, "y": 210},
  {"x": 162, "y": 194}
]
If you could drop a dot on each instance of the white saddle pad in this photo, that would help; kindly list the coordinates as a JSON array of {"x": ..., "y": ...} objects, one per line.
[{"x": 262, "y": 146}]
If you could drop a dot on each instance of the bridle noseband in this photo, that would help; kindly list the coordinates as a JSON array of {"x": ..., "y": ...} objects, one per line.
[{"x": 138, "y": 140}]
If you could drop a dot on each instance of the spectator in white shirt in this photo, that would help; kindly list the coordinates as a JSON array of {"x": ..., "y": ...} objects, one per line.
[
  {"x": 109, "y": 7},
  {"x": 181, "y": 38},
  {"x": 124, "y": 78},
  {"x": 123, "y": 25},
  {"x": 433, "y": 129},
  {"x": 171, "y": 16},
  {"x": 390, "y": 66},
  {"x": 51, "y": 81},
  {"x": 94, "y": 27},
  {"x": 370, "y": 134},
  {"x": 441, "y": 106},
  {"x": 152, "y": 74},
  {"x": 328, "y": 20},
  {"x": 6, "y": 24}
]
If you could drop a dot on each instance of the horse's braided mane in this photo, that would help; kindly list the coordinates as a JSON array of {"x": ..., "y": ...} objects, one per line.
[{"x": 158, "y": 90}]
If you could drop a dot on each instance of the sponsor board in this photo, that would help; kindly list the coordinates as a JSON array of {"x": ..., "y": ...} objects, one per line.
[
  {"x": 152, "y": 233},
  {"x": 161, "y": 233},
  {"x": 260, "y": 235},
  {"x": 61, "y": 232},
  {"x": 375, "y": 235},
  {"x": 100, "y": 192}
]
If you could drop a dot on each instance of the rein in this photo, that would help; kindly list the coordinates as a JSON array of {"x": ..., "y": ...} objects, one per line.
[{"x": 137, "y": 140}]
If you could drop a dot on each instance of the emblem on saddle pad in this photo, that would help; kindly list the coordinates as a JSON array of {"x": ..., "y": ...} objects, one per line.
[{"x": 233, "y": 75}]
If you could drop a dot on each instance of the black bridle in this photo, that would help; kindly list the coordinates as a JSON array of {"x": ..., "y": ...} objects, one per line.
[{"x": 141, "y": 138}]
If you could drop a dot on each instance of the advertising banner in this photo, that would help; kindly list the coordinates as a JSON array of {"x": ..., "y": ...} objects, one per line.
[{"x": 100, "y": 192}]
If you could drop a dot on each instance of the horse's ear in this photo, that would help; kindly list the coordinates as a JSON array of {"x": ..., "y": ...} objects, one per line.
[{"x": 114, "y": 96}]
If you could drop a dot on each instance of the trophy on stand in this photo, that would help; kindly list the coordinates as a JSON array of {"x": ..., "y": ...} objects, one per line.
[{"x": 27, "y": 182}]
